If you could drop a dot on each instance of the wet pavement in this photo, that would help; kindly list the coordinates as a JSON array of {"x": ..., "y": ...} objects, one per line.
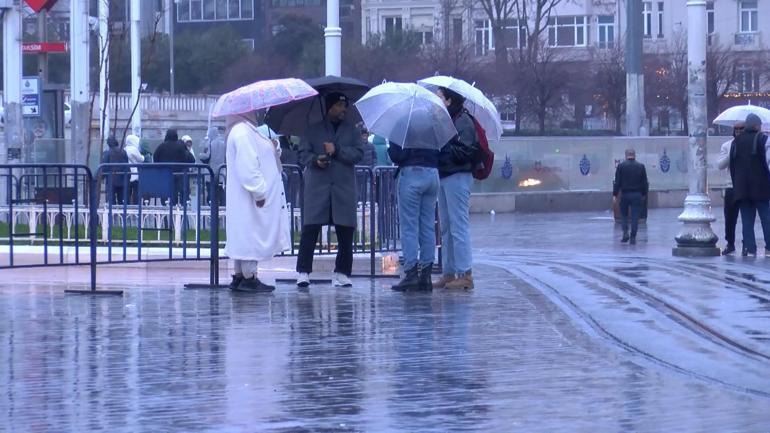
[{"x": 566, "y": 331}]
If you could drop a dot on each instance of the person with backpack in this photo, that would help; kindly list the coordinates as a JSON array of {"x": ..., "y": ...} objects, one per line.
[{"x": 457, "y": 161}]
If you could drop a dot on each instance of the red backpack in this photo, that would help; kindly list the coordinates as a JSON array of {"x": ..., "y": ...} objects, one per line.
[{"x": 485, "y": 158}]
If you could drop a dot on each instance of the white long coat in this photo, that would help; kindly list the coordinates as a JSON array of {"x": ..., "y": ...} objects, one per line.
[{"x": 254, "y": 174}]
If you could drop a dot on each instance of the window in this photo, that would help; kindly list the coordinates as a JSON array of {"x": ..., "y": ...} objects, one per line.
[
  {"x": 426, "y": 37},
  {"x": 515, "y": 35},
  {"x": 483, "y": 40},
  {"x": 214, "y": 10},
  {"x": 606, "y": 31},
  {"x": 567, "y": 31},
  {"x": 457, "y": 31},
  {"x": 748, "y": 15},
  {"x": 710, "y": 17},
  {"x": 660, "y": 20},
  {"x": 393, "y": 24},
  {"x": 647, "y": 14},
  {"x": 248, "y": 43},
  {"x": 747, "y": 80}
]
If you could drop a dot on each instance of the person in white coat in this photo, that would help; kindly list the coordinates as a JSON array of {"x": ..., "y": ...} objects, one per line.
[
  {"x": 731, "y": 207},
  {"x": 257, "y": 217},
  {"x": 134, "y": 157}
]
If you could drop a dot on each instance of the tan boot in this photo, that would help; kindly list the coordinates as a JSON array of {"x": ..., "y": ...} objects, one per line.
[
  {"x": 443, "y": 281},
  {"x": 464, "y": 282}
]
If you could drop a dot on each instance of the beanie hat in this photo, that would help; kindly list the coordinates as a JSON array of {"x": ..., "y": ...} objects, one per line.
[{"x": 333, "y": 98}]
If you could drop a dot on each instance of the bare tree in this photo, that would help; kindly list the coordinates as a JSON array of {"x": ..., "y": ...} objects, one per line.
[
  {"x": 500, "y": 13},
  {"x": 665, "y": 79},
  {"x": 610, "y": 83},
  {"x": 544, "y": 76}
]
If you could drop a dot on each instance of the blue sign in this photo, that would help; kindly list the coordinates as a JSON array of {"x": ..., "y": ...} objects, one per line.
[
  {"x": 665, "y": 162},
  {"x": 506, "y": 171},
  {"x": 585, "y": 165},
  {"x": 30, "y": 97}
]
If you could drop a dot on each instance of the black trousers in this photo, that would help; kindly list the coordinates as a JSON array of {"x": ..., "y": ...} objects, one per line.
[
  {"x": 732, "y": 210},
  {"x": 309, "y": 239},
  {"x": 630, "y": 202}
]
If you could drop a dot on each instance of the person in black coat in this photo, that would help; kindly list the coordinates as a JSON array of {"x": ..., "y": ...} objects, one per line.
[
  {"x": 632, "y": 185},
  {"x": 751, "y": 182},
  {"x": 115, "y": 177},
  {"x": 174, "y": 151}
]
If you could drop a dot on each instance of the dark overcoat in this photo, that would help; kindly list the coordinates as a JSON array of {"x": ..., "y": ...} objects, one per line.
[
  {"x": 330, "y": 193},
  {"x": 748, "y": 167}
]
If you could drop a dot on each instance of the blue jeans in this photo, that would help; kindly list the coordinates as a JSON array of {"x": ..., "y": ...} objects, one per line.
[
  {"x": 417, "y": 191},
  {"x": 749, "y": 210},
  {"x": 454, "y": 212},
  {"x": 630, "y": 201}
]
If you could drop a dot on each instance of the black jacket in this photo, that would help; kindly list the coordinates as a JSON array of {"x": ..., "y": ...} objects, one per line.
[
  {"x": 173, "y": 151},
  {"x": 630, "y": 176},
  {"x": 413, "y": 157},
  {"x": 460, "y": 154},
  {"x": 748, "y": 167},
  {"x": 115, "y": 155}
]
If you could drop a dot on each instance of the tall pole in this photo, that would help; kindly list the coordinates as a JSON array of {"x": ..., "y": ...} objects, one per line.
[
  {"x": 80, "y": 83},
  {"x": 42, "y": 58},
  {"x": 170, "y": 26},
  {"x": 104, "y": 70},
  {"x": 10, "y": 147},
  {"x": 634, "y": 71},
  {"x": 136, "y": 72},
  {"x": 333, "y": 36},
  {"x": 696, "y": 237}
]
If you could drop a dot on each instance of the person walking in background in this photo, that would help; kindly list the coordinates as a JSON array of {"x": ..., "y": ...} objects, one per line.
[
  {"x": 329, "y": 152},
  {"x": 456, "y": 163},
  {"x": 731, "y": 207},
  {"x": 174, "y": 151},
  {"x": 134, "y": 157},
  {"x": 257, "y": 221},
  {"x": 115, "y": 176},
  {"x": 751, "y": 182},
  {"x": 418, "y": 185},
  {"x": 213, "y": 154},
  {"x": 632, "y": 185}
]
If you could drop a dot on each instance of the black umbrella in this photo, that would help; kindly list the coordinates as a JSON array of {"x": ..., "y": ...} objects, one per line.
[{"x": 294, "y": 118}]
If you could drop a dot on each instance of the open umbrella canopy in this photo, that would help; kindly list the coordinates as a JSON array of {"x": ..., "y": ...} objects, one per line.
[
  {"x": 476, "y": 103},
  {"x": 408, "y": 115},
  {"x": 261, "y": 95},
  {"x": 294, "y": 118},
  {"x": 736, "y": 114}
]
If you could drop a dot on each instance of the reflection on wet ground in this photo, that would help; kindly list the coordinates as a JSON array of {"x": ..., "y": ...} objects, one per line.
[{"x": 553, "y": 339}]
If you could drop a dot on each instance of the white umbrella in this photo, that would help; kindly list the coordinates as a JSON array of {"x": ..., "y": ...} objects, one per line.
[
  {"x": 408, "y": 115},
  {"x": 736, "y": 114},
  {"x": 476, "y": 103},
  {"x": 260, "y": 95},
  {"x": 267, "y": 132}
]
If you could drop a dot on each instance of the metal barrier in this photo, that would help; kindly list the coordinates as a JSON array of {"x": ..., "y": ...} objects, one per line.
[{"x": 156, "y": 212}]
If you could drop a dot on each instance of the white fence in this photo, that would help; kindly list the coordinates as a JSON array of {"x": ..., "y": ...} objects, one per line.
[{"x": 156, "y": 102}]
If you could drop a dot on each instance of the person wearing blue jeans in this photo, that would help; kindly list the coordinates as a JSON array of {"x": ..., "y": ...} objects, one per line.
[
  {"x": 456, "y": 162},
  {"x": 751, "y": 182},
  {"x": 418, "y": 185}
]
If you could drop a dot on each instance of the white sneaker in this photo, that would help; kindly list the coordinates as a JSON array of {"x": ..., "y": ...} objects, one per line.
[
  {"x": 342, "y": 280},
  {"x": 303, "y": 279}
]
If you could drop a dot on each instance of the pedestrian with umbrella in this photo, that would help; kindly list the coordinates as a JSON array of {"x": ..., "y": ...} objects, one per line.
[
  {"x": 329, "y": 149},
  {"x": 457, "y": 161},
  {"x": 417, "y": 125},
  {"x": 257, "y": 216}
]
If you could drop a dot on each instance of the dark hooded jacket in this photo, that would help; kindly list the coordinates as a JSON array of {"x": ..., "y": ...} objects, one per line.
[
  {"x": 748, "y": 163},
  {"x": 459, "y": 155},
  {"x": 173, "y": 150},
  {"x": 115, "y": 155}
]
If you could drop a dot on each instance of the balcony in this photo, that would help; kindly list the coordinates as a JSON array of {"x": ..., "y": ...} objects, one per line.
[{"x": 747, "y": 40}]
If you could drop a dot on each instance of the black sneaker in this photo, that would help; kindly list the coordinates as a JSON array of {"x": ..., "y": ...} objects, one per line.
[
  {"x": 625, "y": 239},
  {"x": 747, "y": 253},
  {"x": 254, "y": 285},
  {"x": 632, "y": 241},
  {"x": 236, "y": 281},
  {"x": 729, "y": 249}
]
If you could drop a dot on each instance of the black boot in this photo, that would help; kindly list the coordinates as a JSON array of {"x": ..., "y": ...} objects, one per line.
[
  {"x": 410, "y": 282},
  {"x": 237, "y": 278},
  {"x": 426, "y": 282},
  {"x": 254, "y": 285},
  {"x": 625, "y": 238}
]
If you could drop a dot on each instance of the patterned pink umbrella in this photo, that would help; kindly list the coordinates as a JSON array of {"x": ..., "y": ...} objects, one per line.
[{"x": 260, "y": 95}]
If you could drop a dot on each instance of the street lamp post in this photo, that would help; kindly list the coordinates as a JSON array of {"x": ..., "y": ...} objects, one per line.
[
  {"x": 136, "y": 74},
  {"x": 333, "y": 36},
  {"x": 696, "y": 237},
  {"x": 170, "y": 26}
]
